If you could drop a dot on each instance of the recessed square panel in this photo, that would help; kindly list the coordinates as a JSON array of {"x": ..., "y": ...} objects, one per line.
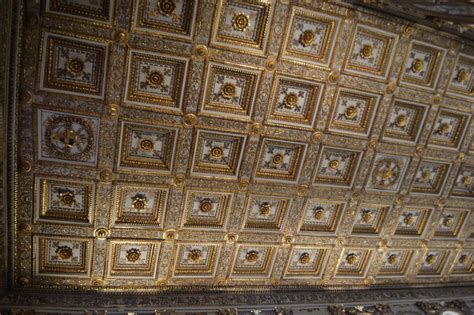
[
  {"x": 132, "y": 259},
  {"x": 387, "y": 172},
  {"x": 253, "y": 261},
  {"x": 73, "y": 66},
  {"x": 97, "y": 11},
  {"x": 395, "y": 263},
  {"x": 230, "y": 90},
  {"x": 295, "y": 102},
  {"x": 354, "y": 112},
  {"x": 169, "y": 17},
  {"x": 62, "y": 256},
  {"x": 462, "y": 78},
  {"x": 337, "y": 166},
  {"x": 369, "y": 219},
  {"x": 464, "y": 183},
  {"x": 449, "y": 129},
  {"x": 139, "y": 204},
  {"x": 371, "y": 52},
  {"x": 305, "y": 262},
  {"x": 147, "y": 147},
  {"x": 67, "y": 138},
  {"x": 413, "y": 221},
  {"x": 451, "y": 223},
  {"x": 405, "y": 121},
  {"x": 430, "y": 177},
  {"x": 463, "y": 264},
  {"x": 321, "y": 216},
  {"x": 433, "y": 263},
  {"x": 266, "y": 212},
  {"x": 422, "y": 65},
  {"x": 353, "y": 263},
  {"x": 196, "y": 260},
  {"x": 242, "y": 25},
  {"x": 217, "y": 153},
  {"x": 66, "y": 201},
  {"x": 280, "y": 160},
  {"x": 311, "y": 36},
  {"x": 204, "y": 209},
  {"x": 156, "y": 80}
]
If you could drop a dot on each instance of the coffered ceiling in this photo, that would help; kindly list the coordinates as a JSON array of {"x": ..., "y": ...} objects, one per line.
[{"x": 238, "y": 144}]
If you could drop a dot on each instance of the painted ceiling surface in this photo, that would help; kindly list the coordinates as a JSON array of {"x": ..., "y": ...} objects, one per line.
[{"x": 233, "y": 144}]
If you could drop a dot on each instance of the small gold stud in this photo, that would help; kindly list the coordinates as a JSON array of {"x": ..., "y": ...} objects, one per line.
[
  {"x": 121, "y": 36},
  {"x": 301, "y": 190},
  {"x": 201, "y": 52},
  {"x": 271, "y": 63},
  {"x": 101, "y": 233},
  {"x": 334, "y": 77},
  {"x": 317, "y": 136},
  {"x": 256, "y": 128},
  {"x": 189, "y": 120},
  {"x": 106, "y": 175}
]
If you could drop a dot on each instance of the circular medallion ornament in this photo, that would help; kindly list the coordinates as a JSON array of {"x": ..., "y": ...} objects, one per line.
[
  {"x": 334, "y": 164},
  {"x": 155, "y": 79},
  {"x": 277, "y": 159},
  {"x": 409, "y": 219},
  {"x": 75, "y": 66},
  {"x": 291, "y": 100},
  {"x": 417, "y": 65},
  {"x": 195, "y": 255},
  {"x": 67, "y": 198},
  {"x": 133, "y": 254},
  {"x": 167, "y": 7},
  {"x": 240, "y": 22},
  {"x": 205, "y": 205},
  {"x": 319, "y": 214},
  {"x": 251, "y": 256},
  {"x": 147, "y": 145},
  {"x": 351, "y": 259},
  {"x": 307, "y": 38},
  {"x": 351, "y": 112},
  {"x": 265, "y": 209},
  {"x": 228, "y": 91},
  {"x": 462, "y": 76},
  {"x": 366, "y": 51},
  {"x": 64, "y": 252},
  {"x": 304, "y": 258},
  {"x": 401, "y": 121},
  {"x": 217, "y": 153},
  {"x": 69, "y": 137}
]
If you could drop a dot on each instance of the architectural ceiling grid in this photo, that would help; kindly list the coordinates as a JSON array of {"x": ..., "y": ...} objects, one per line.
[{"x": 255, "y": 144}]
